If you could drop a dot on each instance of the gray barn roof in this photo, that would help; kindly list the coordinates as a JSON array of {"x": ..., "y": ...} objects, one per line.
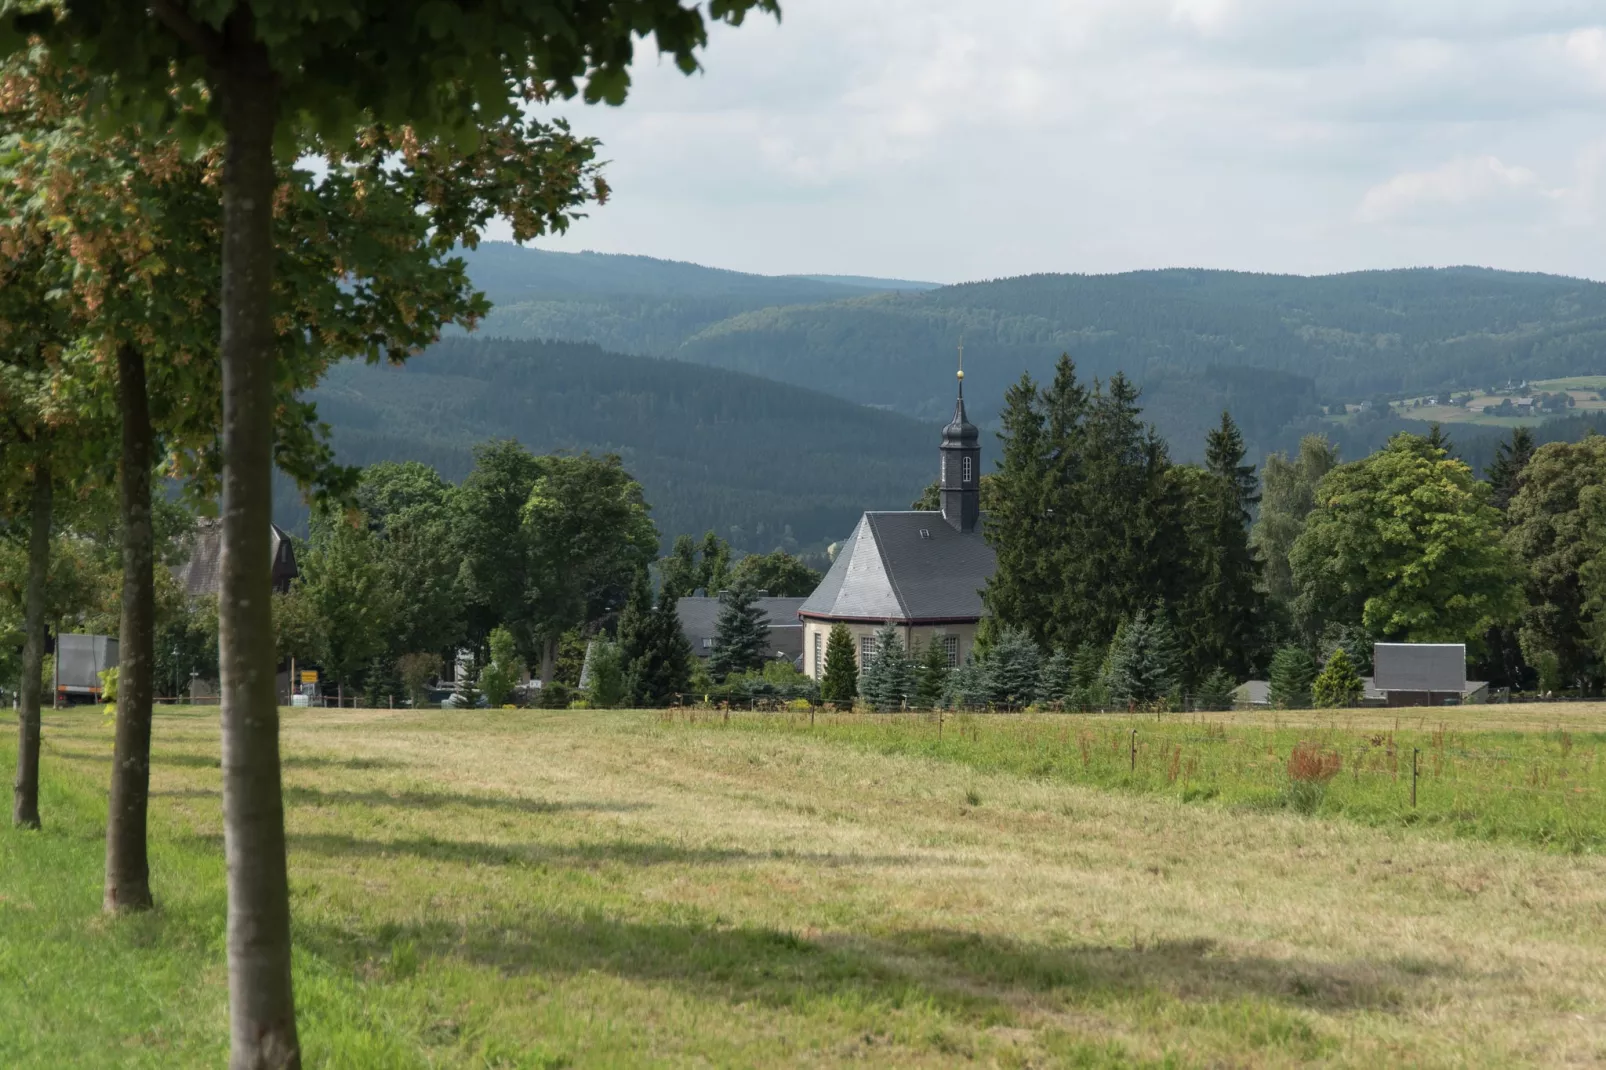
[
  {"x": 699, "y": 617},
  {"x": 1420, "y": 667},
  {"x": 907, "y": 566}
]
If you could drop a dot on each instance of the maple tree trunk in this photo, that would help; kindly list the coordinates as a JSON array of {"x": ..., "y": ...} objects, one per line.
[
  {"x": 25, "y": 791},
  {"x": 128, "y": 878},
  {"x": 262, "y": 1019}
]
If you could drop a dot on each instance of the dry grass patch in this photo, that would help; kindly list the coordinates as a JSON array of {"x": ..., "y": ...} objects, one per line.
[{"x": 579, "y": 889}]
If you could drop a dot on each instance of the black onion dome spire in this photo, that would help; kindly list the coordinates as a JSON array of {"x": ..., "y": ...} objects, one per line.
[
  {"x": 960, "y": 431},
  {"x": 961, "y": 465}
]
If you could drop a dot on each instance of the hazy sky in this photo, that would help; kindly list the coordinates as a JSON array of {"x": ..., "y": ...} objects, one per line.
[{"x": 962, "y": 139}]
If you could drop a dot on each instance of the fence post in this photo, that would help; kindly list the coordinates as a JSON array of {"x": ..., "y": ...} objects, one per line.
[
  {"x": 811, "y": 715},
  {"x": 1134, "y": 750},
  {"x": 1414, "y": 752}
]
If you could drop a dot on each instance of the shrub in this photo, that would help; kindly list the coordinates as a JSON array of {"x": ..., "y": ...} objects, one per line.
[
  {"x": 555, "y": 695},
  {"x": 416, "y": 671},
  {"x": 1310, "y": 769},
  {"x": 1339, "y": 684}
]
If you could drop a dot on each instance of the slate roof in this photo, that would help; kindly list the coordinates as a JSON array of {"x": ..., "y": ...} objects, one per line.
[
  {"x": 699, "y": 620},
  {"x": 200, "y": 575},
  {"x": 905, "y": 566},
  {"x": 1420, "y": 667}
]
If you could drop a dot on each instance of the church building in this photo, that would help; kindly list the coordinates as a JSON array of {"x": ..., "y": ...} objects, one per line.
[{"x": 922, "y": 571}]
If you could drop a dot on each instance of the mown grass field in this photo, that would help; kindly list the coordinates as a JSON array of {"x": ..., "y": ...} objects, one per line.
[{"x": 534, "y": 889}]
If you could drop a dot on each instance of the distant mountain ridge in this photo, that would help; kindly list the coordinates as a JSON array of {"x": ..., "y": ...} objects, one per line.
[{"x": 1271, "y": 348}]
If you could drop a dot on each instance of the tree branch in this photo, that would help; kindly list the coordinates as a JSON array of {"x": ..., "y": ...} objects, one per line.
[{"x": 207, "y": 42}]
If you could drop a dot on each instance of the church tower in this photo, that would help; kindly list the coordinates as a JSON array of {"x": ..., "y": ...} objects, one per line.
[{"x": 961, "y": 466}]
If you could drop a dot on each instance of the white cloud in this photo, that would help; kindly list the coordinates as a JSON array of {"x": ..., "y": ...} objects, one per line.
[
  {"x": 944, "y": 139},
  {"x": 1469, "y": 186}
]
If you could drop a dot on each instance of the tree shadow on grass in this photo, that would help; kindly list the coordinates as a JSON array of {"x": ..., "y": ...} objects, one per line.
[
  {"x": 435, "y": 800},
  {"x": 588, "y": 855},
  {"x": 969, "y": 975}
]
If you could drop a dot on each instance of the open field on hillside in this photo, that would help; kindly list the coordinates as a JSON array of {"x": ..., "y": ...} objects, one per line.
[
  {"x": 1585, "y": 389},
  {"x": 531, "y": 889}
]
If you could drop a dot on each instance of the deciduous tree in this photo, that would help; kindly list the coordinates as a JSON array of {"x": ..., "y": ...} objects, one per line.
[{"x": 1405, "y": 544}]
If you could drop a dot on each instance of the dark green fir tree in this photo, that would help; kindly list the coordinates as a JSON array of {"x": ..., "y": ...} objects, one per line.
[
  {"x": 841, "y": 682},
  {"x": 931, "y": 676},
  {"x": 741, "y": 635},
  {"x": 1292, "y": 673}
]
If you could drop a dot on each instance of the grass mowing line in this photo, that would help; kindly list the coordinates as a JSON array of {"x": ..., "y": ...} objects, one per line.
[{"x": 1545, "y": 790}]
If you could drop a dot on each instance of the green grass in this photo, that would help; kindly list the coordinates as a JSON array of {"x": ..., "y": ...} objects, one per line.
[
  {"x": 557, "y": 889},
  {"x": 1544, "y": 789}
]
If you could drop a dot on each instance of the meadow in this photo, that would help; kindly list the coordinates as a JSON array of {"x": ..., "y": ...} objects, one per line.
[{"x": 555, "y": 889}]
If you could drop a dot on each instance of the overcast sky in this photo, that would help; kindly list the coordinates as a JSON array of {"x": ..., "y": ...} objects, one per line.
[{"x": 962, "y": 139}]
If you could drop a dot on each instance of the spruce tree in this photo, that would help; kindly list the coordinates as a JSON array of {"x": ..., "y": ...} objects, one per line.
[
  {"x": 1087, "y": 665},
  {"x": 1142, "y": 662},
  {"x": 468, "y": 691},
  {"x": 1338, "y": 684},
  {"x": 968, "y": 686},
  {"x": 1505, "y": 472},
  {"x": 659, "y": 657},
  {"x": 1017, "y": 590},
  {"x": 741, "y": 636},
  {"x": 841, "y": 682},
  {"x": 1012, "y": 668},
  {"x": 931, "y": 681},
  {"x": 1292, "y": 672},
  {"x": 1217, "y": 692},
  {"x": 635, "y": 631},
  {"x": 888, "y": 680},
  {"x": 1055, "y": 679}
]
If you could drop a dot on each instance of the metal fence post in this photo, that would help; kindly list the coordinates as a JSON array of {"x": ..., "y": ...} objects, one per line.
[
  {"x": 1414, "y": 752},
  {"x": 1134, "y": 750}
]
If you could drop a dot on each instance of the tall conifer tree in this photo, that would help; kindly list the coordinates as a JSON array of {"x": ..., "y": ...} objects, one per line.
[{"x": 841, "y": 682}]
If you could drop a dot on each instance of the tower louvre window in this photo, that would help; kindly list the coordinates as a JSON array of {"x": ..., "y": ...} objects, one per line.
[
  {"x": 818, "y": 668},
  {"x": 965, "y": 478}
]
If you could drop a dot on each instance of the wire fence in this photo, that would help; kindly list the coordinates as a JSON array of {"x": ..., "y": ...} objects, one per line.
[{"x": 1547, "y": 787}]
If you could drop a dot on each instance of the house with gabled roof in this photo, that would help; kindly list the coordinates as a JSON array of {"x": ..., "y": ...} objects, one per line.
[{"x": 920, "y": 570}]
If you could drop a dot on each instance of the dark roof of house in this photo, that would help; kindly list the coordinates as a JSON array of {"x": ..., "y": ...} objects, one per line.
[
  {"x": 201, "y": 574},
  {"x": 906, "y": 566},
  {"x": 1419, "y": 667},
  {"x": 699, "y": 617}
]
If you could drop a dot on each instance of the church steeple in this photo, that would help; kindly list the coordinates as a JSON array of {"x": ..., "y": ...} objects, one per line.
[{"x": 961, "y": 464}]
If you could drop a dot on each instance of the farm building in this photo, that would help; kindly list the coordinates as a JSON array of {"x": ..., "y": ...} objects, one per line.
[
  {"x": 699, "y": 622},
  {"x": 1422, "y": 674}
]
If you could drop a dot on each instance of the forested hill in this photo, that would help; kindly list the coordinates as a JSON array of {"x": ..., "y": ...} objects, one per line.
[
  {"x": 1269, "y": 347},
  {"x": 634, "y": 304},
  {"x": 765, "y": 464}
]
